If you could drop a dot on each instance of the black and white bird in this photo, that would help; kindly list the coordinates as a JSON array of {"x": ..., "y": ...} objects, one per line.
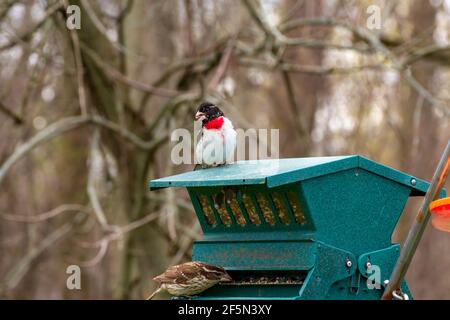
[{"x": 217, "y": 142}]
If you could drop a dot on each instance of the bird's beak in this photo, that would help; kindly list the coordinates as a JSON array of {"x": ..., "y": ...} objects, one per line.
[
  {"x": 199, "y": 116},
  {"x": 226, "y": 278}
]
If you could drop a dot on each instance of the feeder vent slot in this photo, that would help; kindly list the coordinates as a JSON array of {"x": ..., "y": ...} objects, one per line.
[
  {"x": 249, "y": 205},
  {"x": 207, "y": 210},
  {"x": 237, "y": 213},
  {"x": 295, "y": 205},
  {"x": 220, "y": 206},
  {"x": 282, "y": 211},
  {"x": 266, "y": 278},
  {"x": 264, "y": 205},
  {"x": 231, "y": 207}
]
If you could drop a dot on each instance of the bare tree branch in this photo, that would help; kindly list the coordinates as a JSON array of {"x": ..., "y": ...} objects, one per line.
[
  {"x": 47, "y": 215},
  {"x": 103, "y": 249},
  {"x": 171, "y": 106},
  {"x": 70, "y": 123},
  {"x": 126, "y": 134},
  {"x": 6, "y": 6},
  {"x": 25, "y": 36},
  {"x": 184, "y": 247},
  {"x": 317, "y": 70},
  {"x": 374, "y": 41},
  {"x": 98, "y": 24},
  {"x": 438, "y": 52},
  {"x": 223, "y": 65},
  {"x": 55, "y": 129},
  {"x": 78, "y": 65},
  {"x": 92, "y": 175},
  {"x": 295, "y": 107},
  {"x": 423, "y": 92},
  {"x": 18, "y": 271},
  {"x": 103, "y": 243},
  {"x": 116, "y": 75},
  {"x": 17, "y": 119},
  {"x": 281, "y": 40},
  {"x": 125, "y": 11}
]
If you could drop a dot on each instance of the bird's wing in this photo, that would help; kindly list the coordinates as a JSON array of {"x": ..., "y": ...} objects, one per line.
[
  {"x": 209, "y": 136},
  {"x": 184, "y": 272},
  {"x": 178, "y": 274},
  {"x": 210, "y": 272},
  {"x": 210, "y": 149}
]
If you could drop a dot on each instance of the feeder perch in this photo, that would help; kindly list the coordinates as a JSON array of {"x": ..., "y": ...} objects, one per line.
[{"x": 306, "y": 228}]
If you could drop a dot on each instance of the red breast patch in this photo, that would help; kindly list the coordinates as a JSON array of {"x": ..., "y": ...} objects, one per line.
[{"x": 215, "y": 124}]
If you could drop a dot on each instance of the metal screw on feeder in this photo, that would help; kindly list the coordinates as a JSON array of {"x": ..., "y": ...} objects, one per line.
[{"x": 348, "y": 263}]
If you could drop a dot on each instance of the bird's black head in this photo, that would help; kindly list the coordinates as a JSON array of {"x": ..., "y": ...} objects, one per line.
[{"x": 207, "y": 112}]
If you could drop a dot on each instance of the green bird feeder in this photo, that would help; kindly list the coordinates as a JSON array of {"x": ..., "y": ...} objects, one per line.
[{"x": 306, "y": 228}]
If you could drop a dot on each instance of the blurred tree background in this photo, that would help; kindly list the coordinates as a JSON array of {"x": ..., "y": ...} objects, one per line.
[{"x": 86, "y": 117}]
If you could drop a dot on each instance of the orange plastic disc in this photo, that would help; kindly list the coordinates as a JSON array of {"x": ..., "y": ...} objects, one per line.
[
  {"x": 440, "y": 210},
  {"x": 440, "y": 206}
]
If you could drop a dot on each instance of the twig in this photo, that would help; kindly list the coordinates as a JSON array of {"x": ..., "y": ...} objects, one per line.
[
  {"x": 171, "y": 106},
  {"x": 377, "y": 45},
  {"x": 223, "y": 65},
  {"x": 139, "y": 223},
  {"x": 317, "y": 44},
  {"x": 307, "y": 69},
  {"x": 260, "y": 19},
  {"x": 17, "y": 119},
  {"x": 184, "y": 247},
  {"x": 191, "y": 45},
  {"x": 118, "y": 232},
  {"x": 97, "y": 23},
  {"x": 126, "y": 134},
  {"x": 70, "y": 123},
  {"x": 375, "y": 42},
  {"x": 159, "y": 198},
  {"x": 293, "y": 10},
  {"x": 47, "y": 215},
  {"x": 116, "y": 75},
  {"x": 193, "y": 63},
  {"x": 370, "y": 38},
  {"x": 44, "y": 135},
  {"x": 295, "y": 107},
  {"x": 426, "y": 52},
  {"x": 78, "y": 65},
  {"x": 281, "y": 40},
  {"x": 104, "y": 245},
  {"x": 423, "y": 92},
  {"x": 6, "y": 8},
  {"x": 125, "y": 11},
  {"x": 91, "y": 190},
  {"x": 170, "y": 207},
  {"x": 25, "y": 36},
  {"x": 18, "y": 271}
]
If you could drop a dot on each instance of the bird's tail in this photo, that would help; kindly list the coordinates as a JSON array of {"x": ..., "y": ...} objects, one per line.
[{"x": 154, "y": 293}]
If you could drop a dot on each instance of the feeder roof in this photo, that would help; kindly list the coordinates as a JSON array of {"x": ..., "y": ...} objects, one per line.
[{"x": 276, "y": 172}]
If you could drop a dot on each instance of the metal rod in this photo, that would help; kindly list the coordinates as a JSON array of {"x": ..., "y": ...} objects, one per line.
[{"x": 419, "y": 224}]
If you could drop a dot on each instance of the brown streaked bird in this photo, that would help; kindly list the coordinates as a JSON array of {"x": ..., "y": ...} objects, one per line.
[{"x": 190, "y": 278}]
